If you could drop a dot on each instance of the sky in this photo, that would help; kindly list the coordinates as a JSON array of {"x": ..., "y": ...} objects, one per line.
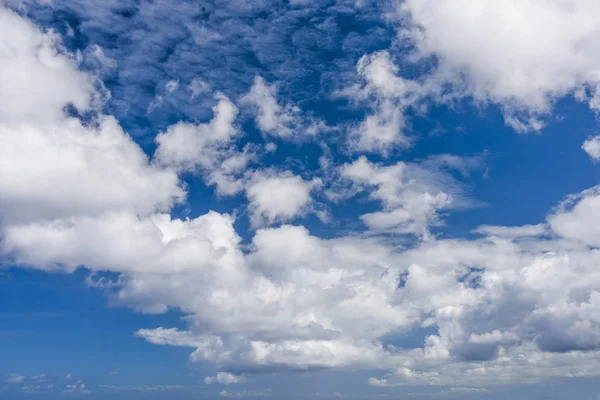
[{"x": 299, "y": 199}]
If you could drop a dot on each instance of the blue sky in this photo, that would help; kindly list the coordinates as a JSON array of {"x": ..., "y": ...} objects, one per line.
[{"x": 299, "y": 199}]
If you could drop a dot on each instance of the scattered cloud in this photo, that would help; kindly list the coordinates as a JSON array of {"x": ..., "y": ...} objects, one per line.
[
  {"x": 79, "y": 388},
  {"x": 225, "y": 378},
  {"x": 245, "y": 393},
  {"x": 512, "y": 231},
  {"x": 271, "y": 118},
  {"x": 43, "y": 384},
  {"x": 283, "y": 122},
  {"x": 334, "y": 395},
  {"x": 15, "y": 378},
  {"x": 142, "y": 388},
  {"x": 592, "y": 147},
  {"x": 189, "y": 146},
  {"x": 390, "y": 95}
]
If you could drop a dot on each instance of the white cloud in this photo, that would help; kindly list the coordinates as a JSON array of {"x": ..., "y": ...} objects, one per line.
[
  {"x": 273, "y": 119},
  {"x": 334, "y": 395},
  {"x": 77, "y": 388},
  {"x": 390, "y": 96},
  {"x": 189, "y": 146},
  {"x": 171, "y": 337},
  {"x": 277, "y": 197},
  {"x": 379, "y": 131},
  {"x": 208, "y": 148},
  {"x": 492, "y": 337},
  {"x": 52, "y": 165},
  {"x": 40, "y": 378},
  {"x": 510, "y": 52},
  {"x": 262, "y": 322},
  {"x": 142, "y": 388},
  {"x": 491, "y": 53},
  {"x": 43, "y": 166},
  {"x": 172, "y": 85},
  {"x": 15, "y": 378},
  {"x": 197, "y": 87},
  {"x": 410, "y": 194},
  {"x": 147, "y": 244},
  {"x": 523, "y": 124},
  {"x": 34, "y": 63},
  {"x": 466, "y": 390},
  {"x": 512, "y": 231},
  {"x": 577, "y": 217},
  {"x": 245, "y": 393},
  {"x": 36, "y": 389},
  {"x": 377, "y": 382},
  {"x": 225, "y": 378},
  {"x": 104, "y": 62},
  {"x": 592, "y": 147}
]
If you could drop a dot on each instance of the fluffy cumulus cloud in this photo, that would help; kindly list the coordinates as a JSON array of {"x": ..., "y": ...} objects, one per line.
[
  {"x": 501, "y": 305},
  {"x": 35, "y": 63},
  {"x": 188, "y": 146},
  {"x": 577, "y": 218},
  {"x": 207, "y": 148},
  {"x": 411, "y": 194},
  {"x": 277, "y": 197},
  {"x": 507, "y": 304},
  {"x": 53, "y": 165},
  {"x": 511, "y": 52}
]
